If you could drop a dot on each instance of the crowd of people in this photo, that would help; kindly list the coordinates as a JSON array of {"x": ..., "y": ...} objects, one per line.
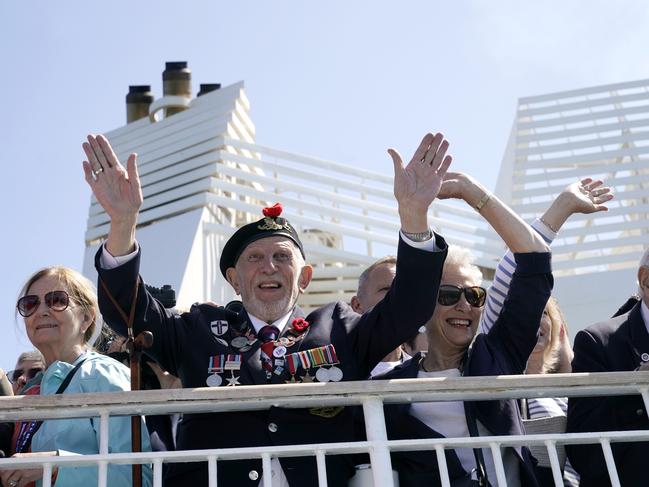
[{"x": 422, "y": 313}]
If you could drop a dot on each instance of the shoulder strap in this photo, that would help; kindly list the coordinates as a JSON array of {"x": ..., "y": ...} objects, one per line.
[{"x": 66, "y": 382}]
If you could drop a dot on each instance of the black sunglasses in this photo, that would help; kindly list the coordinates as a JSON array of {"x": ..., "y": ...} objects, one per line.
[
  {"x": 29, "y": 374},
  {"x": 55, "y": 300},
  {"x": 449, "y": 295}
]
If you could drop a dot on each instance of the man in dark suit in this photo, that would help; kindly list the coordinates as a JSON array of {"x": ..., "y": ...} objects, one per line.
[
  {"x": 619, "y": 344},
  {"x": 268, "y": 340}
]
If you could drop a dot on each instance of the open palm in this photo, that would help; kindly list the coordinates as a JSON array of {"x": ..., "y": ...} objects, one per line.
[
  {"x": 117, "y": 189},
  {"x": 417, "y": 184}
]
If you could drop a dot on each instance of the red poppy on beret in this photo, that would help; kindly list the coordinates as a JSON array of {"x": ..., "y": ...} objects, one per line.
[{"x": 273, "y": 211}]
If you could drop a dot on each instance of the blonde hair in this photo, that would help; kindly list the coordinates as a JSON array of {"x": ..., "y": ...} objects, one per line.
[{"x": 78, "y": 287}]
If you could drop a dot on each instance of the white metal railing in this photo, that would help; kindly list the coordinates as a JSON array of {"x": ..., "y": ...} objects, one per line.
[{"x": 370, "y": 395}]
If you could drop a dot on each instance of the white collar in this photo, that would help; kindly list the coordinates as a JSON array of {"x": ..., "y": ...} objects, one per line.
[{"x": 279, "y": 323}]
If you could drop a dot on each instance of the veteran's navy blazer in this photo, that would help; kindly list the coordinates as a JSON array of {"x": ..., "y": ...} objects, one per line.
[
  {"x": 183, "y": 345},
  {"x": 619, "y": 344},
  {"x": 502, "y": 351}
]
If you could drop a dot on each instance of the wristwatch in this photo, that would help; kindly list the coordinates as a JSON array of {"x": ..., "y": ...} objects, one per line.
[{"x": 419, "y": 237}]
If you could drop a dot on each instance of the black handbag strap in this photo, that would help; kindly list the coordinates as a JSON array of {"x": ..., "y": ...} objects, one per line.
[
  {"x": 66, "y": 382},
  {"x": 472, "y": 424},
  {"x": 29, "y": 429}
]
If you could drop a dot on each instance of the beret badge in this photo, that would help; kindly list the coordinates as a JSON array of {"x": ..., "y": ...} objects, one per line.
[{"x": 270, "y": 219}]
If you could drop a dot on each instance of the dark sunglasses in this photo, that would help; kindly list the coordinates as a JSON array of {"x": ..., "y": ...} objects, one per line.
[
  {"x": 449, "y": 295},
  {"x": 55, "y": 300},
  {"x": 29, "y": 374}
]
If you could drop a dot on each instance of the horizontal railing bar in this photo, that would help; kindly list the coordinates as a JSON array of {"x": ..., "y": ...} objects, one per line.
[
  {"x": 329, "y": 448},
  {"x": 261, "y": 397}
]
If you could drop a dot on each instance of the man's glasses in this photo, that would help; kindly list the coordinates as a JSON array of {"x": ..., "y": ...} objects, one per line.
[
  {"x": 449, "y": 295},
  {"x": 29, "y": 374},
  {"x": 55, "y": 300}
]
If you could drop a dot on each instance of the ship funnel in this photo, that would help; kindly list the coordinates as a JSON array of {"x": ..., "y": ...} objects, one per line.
[
  {"x": 176, "y": 81},
  {"x": 138, "y": 101}
]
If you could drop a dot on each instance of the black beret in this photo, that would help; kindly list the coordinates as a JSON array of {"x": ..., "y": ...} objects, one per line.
[{"x": 272, "y": 225}]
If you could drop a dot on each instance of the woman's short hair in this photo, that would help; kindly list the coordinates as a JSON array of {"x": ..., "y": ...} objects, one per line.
[
  {"x": 78, "y": 287},
  {"x": 461, "y": 257}
]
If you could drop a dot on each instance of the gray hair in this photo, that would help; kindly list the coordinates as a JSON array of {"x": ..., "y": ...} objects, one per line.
[
  {"x": 365, "y": 275},
  {"x": 463, "y": 258},
  {"x": 30, "y": 356}
]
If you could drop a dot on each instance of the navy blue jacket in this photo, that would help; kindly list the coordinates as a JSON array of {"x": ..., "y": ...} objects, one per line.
[
  {"x": 184, "y": 343},
  {"x": 502, "y": 351},
  {"x": 611, "y": 346}
]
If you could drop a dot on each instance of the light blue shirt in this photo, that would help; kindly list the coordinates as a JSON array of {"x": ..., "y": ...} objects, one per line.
[{"x": 81, "y": 436}]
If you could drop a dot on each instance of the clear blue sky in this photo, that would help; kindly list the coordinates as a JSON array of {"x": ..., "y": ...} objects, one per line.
[{"x": 339, "y": 80}]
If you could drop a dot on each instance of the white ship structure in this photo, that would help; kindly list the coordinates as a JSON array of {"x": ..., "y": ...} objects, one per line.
[{"x": 203, "y": 175}]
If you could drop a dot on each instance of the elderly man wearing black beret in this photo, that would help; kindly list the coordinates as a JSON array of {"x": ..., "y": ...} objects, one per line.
[{"x": 269, "y": 340}]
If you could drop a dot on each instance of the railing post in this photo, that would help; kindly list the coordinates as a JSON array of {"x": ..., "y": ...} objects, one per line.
[
  {"x": 47, "y": 475},
  {"x": 157, "y": 473},
  {"x": 441, "y": 464},
  {"x": 103, "y": 474},
  {"x": 322, "y": 468},
  {"x": 103, "y": 432},
  {"x": 554, "y": 462},
  {"x": 377, "y": 434},
  {"x": 267, "y": 470},
  {"x": 610, "y": 462},
  {"x": 211, "y": 471},
  {"x": 498, "y": 464}
]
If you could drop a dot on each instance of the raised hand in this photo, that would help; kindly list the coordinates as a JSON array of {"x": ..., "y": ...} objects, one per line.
[
  {"x": 417, "y": 184},
  {"x": 587, "y": 196},
  {"x": 117, "y": 189}
]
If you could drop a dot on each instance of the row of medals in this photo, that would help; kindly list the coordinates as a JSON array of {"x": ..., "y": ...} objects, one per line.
[{"x": 245, "y": 342}]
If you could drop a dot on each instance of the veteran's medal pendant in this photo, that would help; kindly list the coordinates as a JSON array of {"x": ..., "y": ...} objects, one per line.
[
  {"x": 214, "y": 380},
  {"x": 322, "y": 375},
  {"x": 335, "y": 374}
]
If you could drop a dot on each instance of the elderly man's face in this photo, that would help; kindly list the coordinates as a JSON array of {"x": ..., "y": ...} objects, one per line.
[{"x": 269, "y": 275}]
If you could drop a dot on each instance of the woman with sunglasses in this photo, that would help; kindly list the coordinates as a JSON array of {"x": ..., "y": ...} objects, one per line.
[
  {"x": 59, "y": 307},
  {"x": 552, "y": 352},
  {"x": 504, "y": 350}
]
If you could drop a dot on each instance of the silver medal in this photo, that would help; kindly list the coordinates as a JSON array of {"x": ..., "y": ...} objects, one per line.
[
  {"x": 322, "y": 375},
  {"x": 214, "y": 380},
  {"x": 335, "y": 374},
  {"x": 644, "y": 357}
]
